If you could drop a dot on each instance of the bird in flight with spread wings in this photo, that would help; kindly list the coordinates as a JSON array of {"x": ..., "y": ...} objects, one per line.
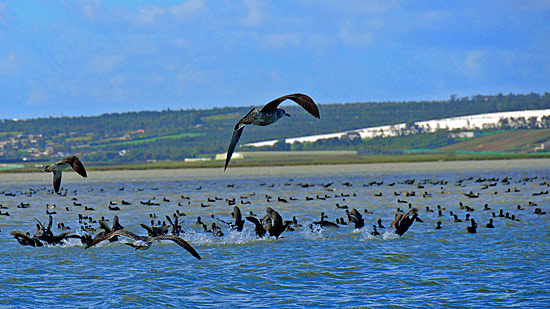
[
  {"x": 58, "y": 167},
  {"x": 267, "y": 115}
]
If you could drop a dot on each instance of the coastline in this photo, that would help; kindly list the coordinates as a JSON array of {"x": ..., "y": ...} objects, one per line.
[{"x": 294, "y": 160}]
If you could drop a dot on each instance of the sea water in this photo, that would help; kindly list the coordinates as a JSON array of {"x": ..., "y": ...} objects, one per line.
[{"x": 309, "y": 267}]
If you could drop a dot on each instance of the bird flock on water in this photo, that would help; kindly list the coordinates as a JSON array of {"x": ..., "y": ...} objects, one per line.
[{"x": 272, "y": 223}]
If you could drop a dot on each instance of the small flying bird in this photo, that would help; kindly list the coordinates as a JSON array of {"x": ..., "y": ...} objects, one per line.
[
  {"x": 145, "y": 242},
  {"x": 269, "y": 114},
  {"x": 58, "y": 167}
]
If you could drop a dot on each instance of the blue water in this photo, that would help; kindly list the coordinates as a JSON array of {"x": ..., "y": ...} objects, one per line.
[{"x": 344, "y": 267}]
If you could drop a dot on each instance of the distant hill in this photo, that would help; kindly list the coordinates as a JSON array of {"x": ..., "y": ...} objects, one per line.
[
  {"x": 175, "y": 135},
  {"x": 505, "y": 141}
]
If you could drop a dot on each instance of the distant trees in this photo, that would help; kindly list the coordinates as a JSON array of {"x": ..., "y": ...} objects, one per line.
[{"x": 99, "y": 137}]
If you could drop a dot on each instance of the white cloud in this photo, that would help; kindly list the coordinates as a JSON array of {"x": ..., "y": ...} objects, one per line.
[
  {"x": 472, "y": 63},
  {"x": 6, "y": 16},
  {"x": 150, "y": 14},
  {"x": 90, "y": 8},
  {"x": 104, "y": 64},
  {"x": 190, "y": 77},
  {"x": 255, "y": 13},
  {"x": 365, "y": 7},
  {"x": 187, "y": 8},
  {"x": 180, "y": 42},
  {"x": 118, "y": 80},
  {"x": 353, "y": 35},
  {"x": 37, "y": 95},
  {"x": 281, "y": 40},
  {"x": 7, "y": 64}
]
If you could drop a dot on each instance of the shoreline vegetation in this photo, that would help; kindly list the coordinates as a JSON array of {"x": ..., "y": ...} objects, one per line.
[{"x": 282, "y": 158}]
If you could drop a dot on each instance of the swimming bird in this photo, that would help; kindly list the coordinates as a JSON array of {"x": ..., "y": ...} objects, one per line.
[
  {"x": 58, "y": 167},
  {"x": 473, "y": 227},
  {"x": 267, "y": 115},
  {"x": 145, "y": 242},
  {"x": 323, "y": 223}
]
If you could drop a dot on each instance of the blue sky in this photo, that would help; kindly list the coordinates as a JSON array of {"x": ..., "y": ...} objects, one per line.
[{"x": 89, "y": 57}]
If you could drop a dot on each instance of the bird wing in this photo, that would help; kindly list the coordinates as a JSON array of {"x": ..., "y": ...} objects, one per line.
[
  {"x": 105, "y": 226},
  {"x": 169, "y": 220},
  {"x": 260, "y": 230},
  {"x": 78, "y": 167},
  {"x": 181, "y": 243},
  {"x": 116, "y": 224},
  {"x": 237, "y": 214},
  {"x": 18, "y": 234},
  {"x": 56, "y": 180},
  {"x": 147, "y": 228},
  {"x": 303, "y": 100},
  {"x": 398, "y": 218},
  {"x": 50, "y": 222},
  {"x": 356, "y": 215},
  {"x": 234, "y": 139},
  {"x": 106, "y": 236}
]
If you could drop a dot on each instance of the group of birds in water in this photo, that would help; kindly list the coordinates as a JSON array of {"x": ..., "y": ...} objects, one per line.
[
  {"x": 267, "y": 115},
  {"x": 271, "y": 224}
]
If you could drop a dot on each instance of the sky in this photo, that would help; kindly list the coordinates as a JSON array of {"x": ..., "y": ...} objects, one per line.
[{"x": 90, "y": 57}]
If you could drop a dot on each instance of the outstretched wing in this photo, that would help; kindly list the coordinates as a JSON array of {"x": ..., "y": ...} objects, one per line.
[
  {"x": 106, "y": 236},
  {"x": 356, "y": 216},
  {"x": 116, "y": 224},
  {"x": 79, "y": 167},
  {"x": 181, "y": 243},
  {"x": 148, "y": 229},
  {"x": 56, "y": 180},
  {"x": 260, "y": 230},
  {"x": 303, "y": 100},
  {"x": 234, "y": 139},
  {"x": 18, "y": 234},
  {"x": 396, "y": 220},
  {"x": 105, "y": 226}
]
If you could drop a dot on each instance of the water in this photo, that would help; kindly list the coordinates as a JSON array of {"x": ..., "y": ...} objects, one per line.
[{"x": 344, "y": 267}]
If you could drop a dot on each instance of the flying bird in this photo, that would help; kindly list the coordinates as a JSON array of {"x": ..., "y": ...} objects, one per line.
[
  {"x": 267, "y": 115},
  {"x": 58, "y": 167},
  {"x": 145, "y": 242}
]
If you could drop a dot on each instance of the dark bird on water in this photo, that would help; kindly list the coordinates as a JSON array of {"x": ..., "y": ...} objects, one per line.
[
  {"x": 275, "y": 227},
  {"x": 267, "y": 115},
  {"x": 355, "y": 217},
  {"x": 145, "y": 242},
  {"x": 403, "y": 222},
  {"x": 473, "y": 227},
  {"x": 58, "y": 167},
  {"x": 239, "y": 221}
]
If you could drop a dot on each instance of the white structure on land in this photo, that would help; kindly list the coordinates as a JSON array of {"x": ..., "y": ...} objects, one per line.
[{"x": 471, "y": 122}]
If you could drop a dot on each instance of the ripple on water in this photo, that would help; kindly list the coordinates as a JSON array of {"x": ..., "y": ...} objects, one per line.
[{"x": 315, "y": 267}]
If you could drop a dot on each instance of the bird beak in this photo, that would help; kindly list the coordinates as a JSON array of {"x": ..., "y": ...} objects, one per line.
[
  {"x": 418, "y": 219},
  {"x": 288, "y": 115}
]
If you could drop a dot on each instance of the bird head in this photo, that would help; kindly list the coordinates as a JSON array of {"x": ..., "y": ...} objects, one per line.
[{"x": 284, "y": 113}]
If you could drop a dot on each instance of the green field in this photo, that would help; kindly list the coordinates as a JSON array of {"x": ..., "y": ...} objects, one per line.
[
  {"x": 147, "y": 140},
  {"x": 504, "y": 141},
  {"x": 296, "y": 158}
]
